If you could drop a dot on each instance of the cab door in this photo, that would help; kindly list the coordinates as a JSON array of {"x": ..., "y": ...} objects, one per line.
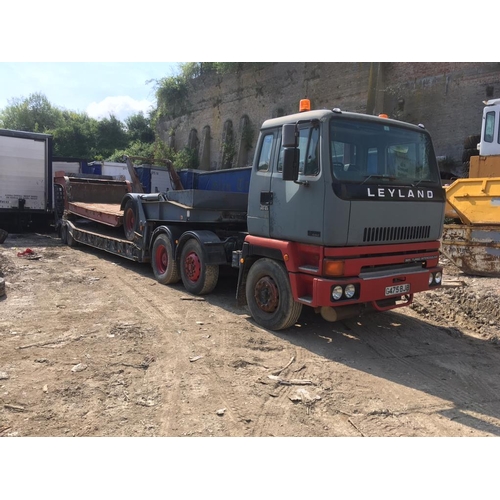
[
  {"x": 296, "y": 212},
  {"x": 260, "y": 197}
]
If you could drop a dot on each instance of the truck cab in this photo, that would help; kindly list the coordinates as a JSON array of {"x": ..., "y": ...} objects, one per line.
[
  {"x": 350, "y": 206},
  {"x": 356, "y": 180},
  {"x": 490, "y": 129}
]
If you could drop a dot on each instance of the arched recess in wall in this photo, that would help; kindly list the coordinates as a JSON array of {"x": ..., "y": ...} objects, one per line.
[
  {"x": 245, "y": 143},
  {"x": 205, "y": 148},
  {"x": 228, "y": 146},
  {"x": 193, "y": 142}
]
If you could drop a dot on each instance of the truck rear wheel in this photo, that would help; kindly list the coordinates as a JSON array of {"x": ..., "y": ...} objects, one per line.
[
  {"x": 198, "y": 277},
  {"x": 164, "y": 266},
  {"x": 130, "y": 220},
  {"x": 269, "y": 295}
]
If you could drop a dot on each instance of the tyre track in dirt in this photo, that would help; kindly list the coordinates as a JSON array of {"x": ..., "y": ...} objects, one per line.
[
  {"x": 182, "y": 340},
  {"x": 430, "y": 365},
  {"x": 448, "y": 373}
]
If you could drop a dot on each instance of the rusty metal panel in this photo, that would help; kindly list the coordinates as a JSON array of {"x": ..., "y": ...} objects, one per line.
[
  {"x": 106, "y": 213},
  {"x": 473, "y": 249}
]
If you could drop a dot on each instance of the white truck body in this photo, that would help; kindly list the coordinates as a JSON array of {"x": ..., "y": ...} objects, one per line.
[{"x": 25, "y": 171}]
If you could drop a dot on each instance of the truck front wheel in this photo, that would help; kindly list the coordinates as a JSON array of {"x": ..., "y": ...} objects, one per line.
[
  {"x": 198, "y": 277},
  {"x": 269, "y": 295},
  {"x": 164, "y": 266}
]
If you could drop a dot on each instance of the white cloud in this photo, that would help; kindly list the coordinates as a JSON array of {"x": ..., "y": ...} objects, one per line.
[{"x": 119, "y": 106}]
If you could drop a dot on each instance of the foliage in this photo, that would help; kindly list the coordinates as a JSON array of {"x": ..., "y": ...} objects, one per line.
[
  {"x": 247, "y": 136},
  {"x": 31, "y": 114},
  {"x": 135, "y": 148},
  {"x": 139, "y": 128},
  {"x": 172, "y": 92},
  {"x": 75, "y": 137},
  {"x": 228, "y": 154},
  {"x": 157, "y": 153},
  {"x": 111, "y": 135},
  {"x": 185, "y": 158}
]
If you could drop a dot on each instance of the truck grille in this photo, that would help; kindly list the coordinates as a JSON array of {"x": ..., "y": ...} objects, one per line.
[{"x": 401, "y": 233}]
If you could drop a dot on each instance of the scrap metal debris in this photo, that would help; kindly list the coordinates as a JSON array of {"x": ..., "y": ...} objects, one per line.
[
  {"x": 79, "y": 367},
  {"x": 29, "y": 254},
  {"x": 293, "y": 381}
]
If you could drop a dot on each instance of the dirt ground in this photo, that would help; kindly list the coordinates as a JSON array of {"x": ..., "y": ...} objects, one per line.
[{"x": 92, "y": 345}]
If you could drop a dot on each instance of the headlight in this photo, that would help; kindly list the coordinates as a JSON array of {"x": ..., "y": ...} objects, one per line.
[
  {"x": 350, "y": 291},
  {"x": 337, "y": 293},
  {"x": 431, "y": 278},
  {"x": 437, "y": 277}
]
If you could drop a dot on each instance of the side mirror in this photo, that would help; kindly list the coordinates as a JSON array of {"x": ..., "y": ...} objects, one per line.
[
  {"x": 290, "y": 164},
  {"x": 289, "y": 135}
]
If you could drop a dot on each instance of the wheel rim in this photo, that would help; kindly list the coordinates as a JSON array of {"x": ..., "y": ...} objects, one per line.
[
  {"x": 192, "y": 267},
  {"x": 161, "y": 258},
  {"x": 130, "y": 220},
  {"x": 266, "y": 294}
]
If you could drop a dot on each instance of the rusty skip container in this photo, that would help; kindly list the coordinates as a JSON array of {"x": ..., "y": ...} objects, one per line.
[
  {"x": 473, "y": 249},
  {"x": 474, "y": 245}
]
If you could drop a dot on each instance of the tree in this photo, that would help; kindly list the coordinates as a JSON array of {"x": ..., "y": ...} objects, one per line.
[
  {"x": 76, "y": 137},
  {"x": 111, "y": 135},
  {"x": 31, "y": 114},
  {"x": 139, "y": 128}
]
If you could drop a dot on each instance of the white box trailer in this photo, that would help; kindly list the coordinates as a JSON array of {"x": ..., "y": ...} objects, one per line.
[{"x": 26, "y": 180}]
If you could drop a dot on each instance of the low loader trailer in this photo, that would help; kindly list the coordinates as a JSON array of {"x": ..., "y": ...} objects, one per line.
[{"x": 343, "y": 213}]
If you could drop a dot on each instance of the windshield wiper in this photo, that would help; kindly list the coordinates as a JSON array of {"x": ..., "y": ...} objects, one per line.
[{"x": 379, "y": 176}]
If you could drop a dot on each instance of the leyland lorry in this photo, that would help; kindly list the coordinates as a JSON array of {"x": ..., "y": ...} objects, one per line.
[{"x": 342, "y": 212}]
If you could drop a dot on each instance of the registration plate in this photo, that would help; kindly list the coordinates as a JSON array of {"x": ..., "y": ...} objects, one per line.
[{"x": 397, "y": 289}]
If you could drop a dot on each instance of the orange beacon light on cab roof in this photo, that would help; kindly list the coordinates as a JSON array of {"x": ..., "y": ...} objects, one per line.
[{"x": 305, "y": 105}]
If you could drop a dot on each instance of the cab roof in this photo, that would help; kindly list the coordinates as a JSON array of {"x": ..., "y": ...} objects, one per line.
[{"x": 324, "y": 114}]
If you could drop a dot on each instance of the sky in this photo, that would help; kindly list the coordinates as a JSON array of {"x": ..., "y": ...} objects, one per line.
[
  {"x": 85, "y": 62},
  {"x": 96, "y": 88},
  {"x": 104, "y": 58}
]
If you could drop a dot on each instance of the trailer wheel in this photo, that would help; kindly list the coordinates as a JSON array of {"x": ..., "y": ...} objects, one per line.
[
  {"x": 165, "y": 268},
  {"x": 269, "y": 295},
  {"x": 198, "y": 277},
  {"x": 130, "y": 220}
]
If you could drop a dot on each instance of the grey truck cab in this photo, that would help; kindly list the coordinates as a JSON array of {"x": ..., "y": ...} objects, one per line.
[{"x": 334, "y": 178}]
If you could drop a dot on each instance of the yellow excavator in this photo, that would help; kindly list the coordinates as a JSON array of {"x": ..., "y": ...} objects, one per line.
[{"x": 472, "y": 240}]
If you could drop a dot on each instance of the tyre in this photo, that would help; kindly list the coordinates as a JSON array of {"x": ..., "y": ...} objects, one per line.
[
  {"x": 130, "y": 220},
  {"x": 165, "y": 268},
  {"x": 3, "y": 235},
  {"x": 468, "y": 153},
  {"x": 472, "y": 141},
  {"x": 198, "y": 277},
  {"x": 2, "y": 287},
  {"x": 70, "y": 240},
  {"x": 269, "y": 295}
]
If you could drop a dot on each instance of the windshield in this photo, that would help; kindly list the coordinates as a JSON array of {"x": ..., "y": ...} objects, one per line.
[{"x": 371, "y": 152}]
